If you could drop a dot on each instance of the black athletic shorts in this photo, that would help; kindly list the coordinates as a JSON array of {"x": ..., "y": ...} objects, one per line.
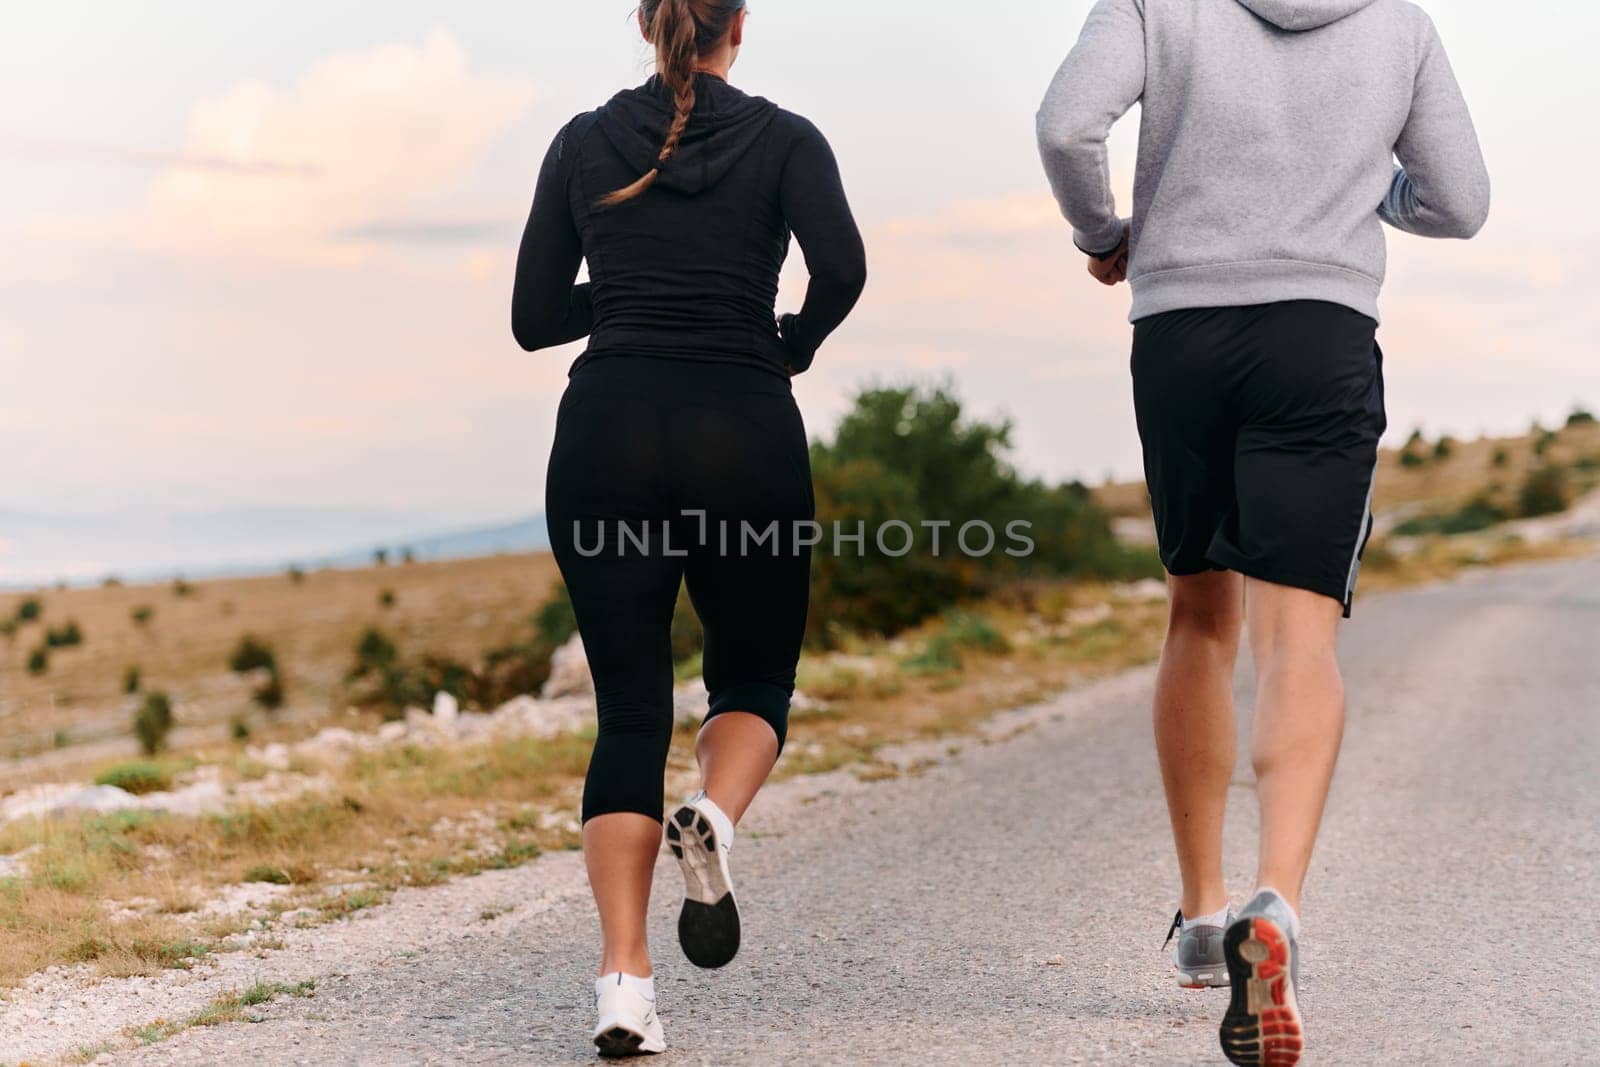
[{"x": 1260, "y": 427}]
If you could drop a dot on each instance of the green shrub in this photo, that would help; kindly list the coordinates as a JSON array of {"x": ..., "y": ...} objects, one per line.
[
  {"x": 262, "y": 872},
  {"x": 938, "y": 656},
  {"x": 970, "y": 630},
  {"x": 239, "y": 727},
  {"x": 1545, "y": 492},
  {"x": 29, "y": 610},
  {"x": 555, "y": 622},
  {"x": 131, "y": 679},
  {"x": 9, "y": 628},
  {"x": 380, "y": 557},
  {"x": 1416, "y": 440},
  {"x": 252, "y": 654},
  {"x": 374, "y": 652},
  {"x": 1500, "y": 457},
  {"x": 152, "y": 723},
  {"x": 296, "y": 575},
  {"x": 39, "y": 660},
  {"x": 181, "y": 588},
  {"x": 1445, "y": 448},
  {"x": 386, "y": 599},
  {"x": 142, "y": 615},
  {"x": 1544, "y": 441},
  {"x": 1412, "y": 458},
  {"x": 1479, "y": 513},
  {"x": 138, "y": 778},
  {"x": 68, "y": 635},
  {"x": 269, "y": 694},
  {"x": 1581, "y": 417}
]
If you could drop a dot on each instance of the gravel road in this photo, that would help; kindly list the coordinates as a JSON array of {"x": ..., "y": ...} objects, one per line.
[{"x": 1008, "y": 904}]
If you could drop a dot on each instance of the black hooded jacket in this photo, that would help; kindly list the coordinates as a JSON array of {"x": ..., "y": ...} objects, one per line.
[{"x": 689, "y": 269}]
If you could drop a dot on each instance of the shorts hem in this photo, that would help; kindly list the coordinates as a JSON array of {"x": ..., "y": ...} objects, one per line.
[
  {"x": 762, "y": 699},
  {"x": 1321, "y": 586}
]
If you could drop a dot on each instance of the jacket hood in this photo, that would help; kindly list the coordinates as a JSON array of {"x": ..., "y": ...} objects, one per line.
[
  {"x": 1304, "y": 14},
  {"x": 723, "y": 127}
]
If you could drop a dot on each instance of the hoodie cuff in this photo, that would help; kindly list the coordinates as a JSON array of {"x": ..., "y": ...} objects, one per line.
[{"x": 1101, "y": 243}]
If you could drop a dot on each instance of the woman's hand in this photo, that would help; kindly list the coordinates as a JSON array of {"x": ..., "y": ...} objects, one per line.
[{"x": 1114, "y": 267}]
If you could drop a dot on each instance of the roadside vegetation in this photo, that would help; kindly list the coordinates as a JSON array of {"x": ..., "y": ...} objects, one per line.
[{"x": 900, "y": 649}]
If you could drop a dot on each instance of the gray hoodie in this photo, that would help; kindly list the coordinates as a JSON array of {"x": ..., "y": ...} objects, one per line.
[{"x": 1267, "y": 143}]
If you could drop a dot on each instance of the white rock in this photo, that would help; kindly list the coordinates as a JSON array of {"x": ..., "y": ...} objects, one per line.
[
  {"x": 57, "y": 798},
  {"x": 445, "y": 707},
  {"x": 391, "y": 731},
  {"x": 1145, "y": 589},
  {"x": 201, "y": 798},
  {"x": 569, "y": 672}
]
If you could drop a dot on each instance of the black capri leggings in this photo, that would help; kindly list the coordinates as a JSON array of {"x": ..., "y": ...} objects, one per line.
[{"x": 669, "y": 471}]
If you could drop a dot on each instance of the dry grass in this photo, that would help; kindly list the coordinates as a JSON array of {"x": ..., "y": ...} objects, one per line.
[
  {"x": 460, "y": 608},
  {"x": 1470, "y": 469}
]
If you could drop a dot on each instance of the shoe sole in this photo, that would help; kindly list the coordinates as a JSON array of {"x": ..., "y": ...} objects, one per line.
[
  {"x": 619, "y": 1042},
  {"x": 1208, "y": 979},
  {"x": 1262, "y": 1026},
  {"x": 708, "y": 925}
]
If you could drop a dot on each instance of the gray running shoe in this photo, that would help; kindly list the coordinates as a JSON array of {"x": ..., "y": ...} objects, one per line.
[
  {"x": 1262, "y": 1027},
  {"x": 1198, "y": 958}
]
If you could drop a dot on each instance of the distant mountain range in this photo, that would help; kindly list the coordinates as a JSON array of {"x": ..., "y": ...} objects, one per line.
[{"x": 38, "y": 550}]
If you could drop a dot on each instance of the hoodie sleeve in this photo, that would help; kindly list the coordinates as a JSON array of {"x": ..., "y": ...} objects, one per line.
[
  {"x": 1102, "y": 78},
  {"x": 811, "y": 196},
  {"x": 546, "y": 308},
  {"x": 1441, "y": 188}
]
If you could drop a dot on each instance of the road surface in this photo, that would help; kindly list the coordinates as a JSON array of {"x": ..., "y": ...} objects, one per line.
[{"x": 1008, "y": 905}]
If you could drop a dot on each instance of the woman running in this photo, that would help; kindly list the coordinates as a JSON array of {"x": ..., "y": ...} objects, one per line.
[
  {"x": 1268, "y": 137},
  {"x": 680, "y": 456}
]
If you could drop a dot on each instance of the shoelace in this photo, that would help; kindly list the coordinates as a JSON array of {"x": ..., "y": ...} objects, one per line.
[{"x": 1177, "y": 924}]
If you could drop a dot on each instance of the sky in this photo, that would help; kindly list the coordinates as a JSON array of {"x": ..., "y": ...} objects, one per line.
[{"x": 256, "y": 258}]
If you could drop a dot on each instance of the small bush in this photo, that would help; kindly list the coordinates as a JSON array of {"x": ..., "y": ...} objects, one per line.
[
  {"x": 296, "y": 575},
  {"x": 1581, "y": 417},
  {"x": 239, "y": 727},
  {"x": 153, "y": 722},
  {"x": 374, "y": 652},
  {"x": 138, "y": 778},
  {"x": 270, "y": 693},
  {"x": 555, "y": 622},
  {"x": 408, "y": 555},
  {"x": 252, "y": 654},
  {"x": 181, "y": 588},
  {"x": 1546, "y": 439},
  {"x": 29, "y": 610},
  {"x": 386, "y": 599},
  {"x": 1500, "y": 458},
  {"x": 938, "y": 656},
  {"x": 1544, "y": 492},
  {"x": 261, "y": 872},
  {"x": 9, "y": 628},
  {"x": 68, "y": 635},
  {"x": 142, "y": 615},
  {"x": 39, "y": 660},
  {"x": 969, "y": 630},
  {"x": 131, "y": 679},
  {"x": 1479, "y": 513},
  {"x": 1445, "y": 448},
  {"x": 1411, "y": 458},
  {"x": 380, "y": 557},
  {"x": 1416, "y": 440}
]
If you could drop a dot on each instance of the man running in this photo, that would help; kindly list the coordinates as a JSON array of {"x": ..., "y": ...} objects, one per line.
[{"x": 1267, "y": 146}]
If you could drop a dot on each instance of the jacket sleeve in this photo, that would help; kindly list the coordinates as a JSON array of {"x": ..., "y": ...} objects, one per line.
[
  {"x": 811, "y": 196},
  {"x": 1102, "y": 77},
  {"x": 1441, "y": 188},
  {"x": 547, "y": 309}
]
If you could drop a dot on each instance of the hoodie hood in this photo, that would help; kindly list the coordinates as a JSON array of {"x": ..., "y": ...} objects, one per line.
[
  {"x": 1304, "y": 14},
  {"x": 723, "y": 127}
]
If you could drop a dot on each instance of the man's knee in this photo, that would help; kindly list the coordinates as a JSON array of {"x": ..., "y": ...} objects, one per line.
[{"x": 1206, "y": 606}]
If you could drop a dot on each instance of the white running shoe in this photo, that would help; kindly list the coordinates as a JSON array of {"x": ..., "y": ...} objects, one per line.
[
  {"x": 701, "y": 836},
  {"x": 629, "y": 1025}
]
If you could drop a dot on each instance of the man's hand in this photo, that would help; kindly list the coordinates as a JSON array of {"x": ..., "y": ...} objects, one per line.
[{"x": 1114, "y": 268}]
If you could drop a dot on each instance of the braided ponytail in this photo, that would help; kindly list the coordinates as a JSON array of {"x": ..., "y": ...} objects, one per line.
[{"x": 680, "y": 30}]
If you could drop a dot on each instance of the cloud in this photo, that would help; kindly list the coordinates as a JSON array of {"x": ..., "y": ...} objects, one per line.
[
  {"x": 38, "y": 150},
  {"x": 358, "y": 137}
]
